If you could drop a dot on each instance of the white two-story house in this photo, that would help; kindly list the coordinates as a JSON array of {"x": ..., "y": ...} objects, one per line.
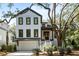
[{"x": 31, "y": 32}]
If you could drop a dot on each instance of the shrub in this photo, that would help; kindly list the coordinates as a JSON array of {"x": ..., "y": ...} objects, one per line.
[
  {"x": 68, "y": 49},
  {"x": 49, "y": 51},
  {"x": 76, "y": 47},
  {"x": 15, "y": 48},
  {"x": 10, "y": 48},
  {"x": 54, "y": 48},
  {"x": 3, "y": 47},
  {"x": 36, "y": 51},
  {"x": 61, "y": 51}
]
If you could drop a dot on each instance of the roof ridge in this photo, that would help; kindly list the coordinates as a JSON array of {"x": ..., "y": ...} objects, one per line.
[{"x": 25, "y": 10}]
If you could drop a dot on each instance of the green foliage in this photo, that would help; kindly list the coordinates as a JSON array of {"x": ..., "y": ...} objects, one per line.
[
  {"x": 14, "y": 48},
  {"x": 72, "y": 38},
  {"x": 8, "y": 14},
  {"x": 68, "y": 50},
  {"x": 10, "y": 5},
  {"x": 61, "y": 51},
  {"x": 54, "y": 48},
  {"x": 36, "y": 51},
  {"x": 9, "y": 48},
  {"x": 50, "y": 51},
  {"x": 3, "y": 47}
]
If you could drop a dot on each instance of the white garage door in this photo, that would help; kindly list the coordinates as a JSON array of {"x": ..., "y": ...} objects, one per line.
[{"x": 27, "y": 45}]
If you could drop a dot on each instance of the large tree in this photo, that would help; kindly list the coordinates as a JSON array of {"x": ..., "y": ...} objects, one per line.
[
  {"x": 7, "y": 17},
  {"x": 68, "y": 13}
]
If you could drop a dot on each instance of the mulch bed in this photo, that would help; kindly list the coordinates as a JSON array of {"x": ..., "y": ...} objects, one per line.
[
  {"x": 56, "y": 53},
  {"x": 3, "y": 53}
]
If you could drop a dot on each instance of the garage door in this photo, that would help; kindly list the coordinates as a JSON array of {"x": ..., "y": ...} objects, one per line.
[{"x": 27, "y": 45}]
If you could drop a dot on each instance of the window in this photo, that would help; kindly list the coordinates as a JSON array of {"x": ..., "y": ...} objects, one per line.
[
  {"x": 20, "y": 20},
  {"x": 28, "y": 21},
  {"x": 35, "y": 32},
  {"x": 35, "y": 20},
  {"x": 20, "y": 33},
  {"x": 28, "y": 33}
]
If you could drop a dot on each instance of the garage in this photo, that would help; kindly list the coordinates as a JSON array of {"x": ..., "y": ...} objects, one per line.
[{"x": 27, "y": 45}]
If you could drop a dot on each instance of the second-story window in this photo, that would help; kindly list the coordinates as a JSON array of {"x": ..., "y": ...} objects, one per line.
[
  {"x": 35, "y": 20},
  {"x": 20, "y": 20},
  {"x": 20, "y": 33},
  {"x": 28, "y": 33},
  {"x": 28, "y": 20}
]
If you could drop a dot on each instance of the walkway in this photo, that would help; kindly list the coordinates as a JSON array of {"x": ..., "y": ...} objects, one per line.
[{"x": 21, "y": 53}]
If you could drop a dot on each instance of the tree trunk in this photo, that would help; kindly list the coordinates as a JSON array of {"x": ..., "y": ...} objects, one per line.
[
  {"x": 58, "y": 36},
  {"x": 7, "y": 38}
]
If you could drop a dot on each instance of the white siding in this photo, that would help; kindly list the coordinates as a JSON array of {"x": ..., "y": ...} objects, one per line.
[
  {"x": 4, "y": 25},
  {"x": 3, "y": 37},
  {"x": 31, "y": 26}
]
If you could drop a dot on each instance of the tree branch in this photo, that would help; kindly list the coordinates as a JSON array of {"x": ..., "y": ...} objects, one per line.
[
  {"x": 71, "y": 14},
  {"x": 70, "y": 22},
  {"x": 48, "y": 11},
  {"x": 31, "y": 5},
  {"x": 6, "y": 20},
  {"x": 74, "y": 18},
  {"x": 61, "y": 13}
]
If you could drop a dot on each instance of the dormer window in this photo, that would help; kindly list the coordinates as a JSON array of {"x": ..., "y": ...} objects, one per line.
[
  {"x": 20, "y": 20},
  {"x": 28, "y": 20},
  {"x": 35, "y": 20}
]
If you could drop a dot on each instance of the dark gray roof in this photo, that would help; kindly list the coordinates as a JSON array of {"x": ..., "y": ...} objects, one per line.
[
  {"x": 25, "y": 10},
  {"x": 49, "y": 27}
]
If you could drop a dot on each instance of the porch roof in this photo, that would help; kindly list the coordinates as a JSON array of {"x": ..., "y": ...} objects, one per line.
[{"x": 48, "y": 27}]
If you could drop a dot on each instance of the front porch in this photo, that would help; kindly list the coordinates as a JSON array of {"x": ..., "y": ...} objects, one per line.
[{"x": 47, "y": 36}]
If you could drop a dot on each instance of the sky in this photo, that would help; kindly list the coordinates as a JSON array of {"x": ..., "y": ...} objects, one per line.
[{"x": 22, "y": 6}]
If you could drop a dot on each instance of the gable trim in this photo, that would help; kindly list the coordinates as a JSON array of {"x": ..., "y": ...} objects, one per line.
[{"x": 25, "y": 10}]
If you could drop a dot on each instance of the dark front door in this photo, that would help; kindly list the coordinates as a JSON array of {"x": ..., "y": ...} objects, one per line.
[
  {"x": 46, "y": 38},
  {"x": 46, "y": 34}
]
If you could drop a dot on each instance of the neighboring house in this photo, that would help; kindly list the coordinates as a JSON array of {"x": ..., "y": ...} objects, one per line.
[
  {"x": 3, "y": 30},
  {"x": 31, "y": 31}
]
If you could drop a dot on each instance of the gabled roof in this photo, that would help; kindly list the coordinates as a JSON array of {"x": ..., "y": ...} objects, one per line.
[
  {"x": 25, "y": 10},
  {"x": 3, "y": 29}
]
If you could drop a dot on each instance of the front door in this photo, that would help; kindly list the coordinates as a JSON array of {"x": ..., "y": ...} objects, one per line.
[{"x": 46, "y": 34}]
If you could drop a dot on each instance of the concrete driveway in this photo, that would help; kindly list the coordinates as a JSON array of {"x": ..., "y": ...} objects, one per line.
[{"x": 21, "y": 53}]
